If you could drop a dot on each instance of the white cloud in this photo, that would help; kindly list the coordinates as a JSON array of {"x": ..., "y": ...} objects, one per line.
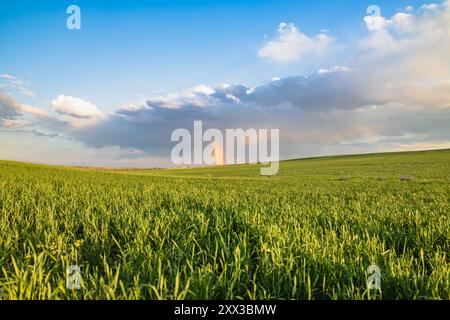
[
  {"x": 403, "y": 22},
  {"x": 293, "y": 45},
  {"x": 16, "y": 84},
  {"x": 376, "y": 22},
  {"x": 9, "y": 107},
  {"x": 412, "y": 47},
  {"x": 429, "y": 7},
  {"x": 203, "y": 89},
  {"x": 32, "y": 110},
  {"x": 75, "y": 107},
  {"x": 13, "y": 123},
  {"x": 334, "y": 69},
  {"x": 7, "y": 76},
  {"x": 194, "y": 96}
]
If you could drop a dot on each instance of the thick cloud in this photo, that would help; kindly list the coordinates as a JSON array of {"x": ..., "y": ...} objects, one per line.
[
  {"x": 321, "y": 109},
  {"x": 292, "y": 44},
  {"x": 75, "y": 107}
]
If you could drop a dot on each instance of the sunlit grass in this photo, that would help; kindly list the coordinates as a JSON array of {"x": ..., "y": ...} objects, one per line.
[{"x": 228, "y": 233}]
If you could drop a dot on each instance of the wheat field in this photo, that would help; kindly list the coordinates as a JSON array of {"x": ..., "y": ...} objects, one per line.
[{"x": 227, "y": 233}]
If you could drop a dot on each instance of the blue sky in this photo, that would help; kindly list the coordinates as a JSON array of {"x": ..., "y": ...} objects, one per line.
[
  {"x": 131, "y": 51},
  {"x": 131, "y": 48}
]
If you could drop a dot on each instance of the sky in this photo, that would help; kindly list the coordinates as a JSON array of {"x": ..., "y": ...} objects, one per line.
[{"x": 333, "y": 77}]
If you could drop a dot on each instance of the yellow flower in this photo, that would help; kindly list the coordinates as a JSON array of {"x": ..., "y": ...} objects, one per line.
[{"x": 79, "y": 243}]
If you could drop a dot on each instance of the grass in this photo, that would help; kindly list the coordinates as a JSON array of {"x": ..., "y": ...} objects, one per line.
[{"x": 228, "y": 233}]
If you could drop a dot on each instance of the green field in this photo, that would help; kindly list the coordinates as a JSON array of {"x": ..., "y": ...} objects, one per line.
[{"x": 227, "y": 233}]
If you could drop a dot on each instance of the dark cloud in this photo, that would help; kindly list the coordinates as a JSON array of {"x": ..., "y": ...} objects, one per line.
[{"x": 322, "y": 109}]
